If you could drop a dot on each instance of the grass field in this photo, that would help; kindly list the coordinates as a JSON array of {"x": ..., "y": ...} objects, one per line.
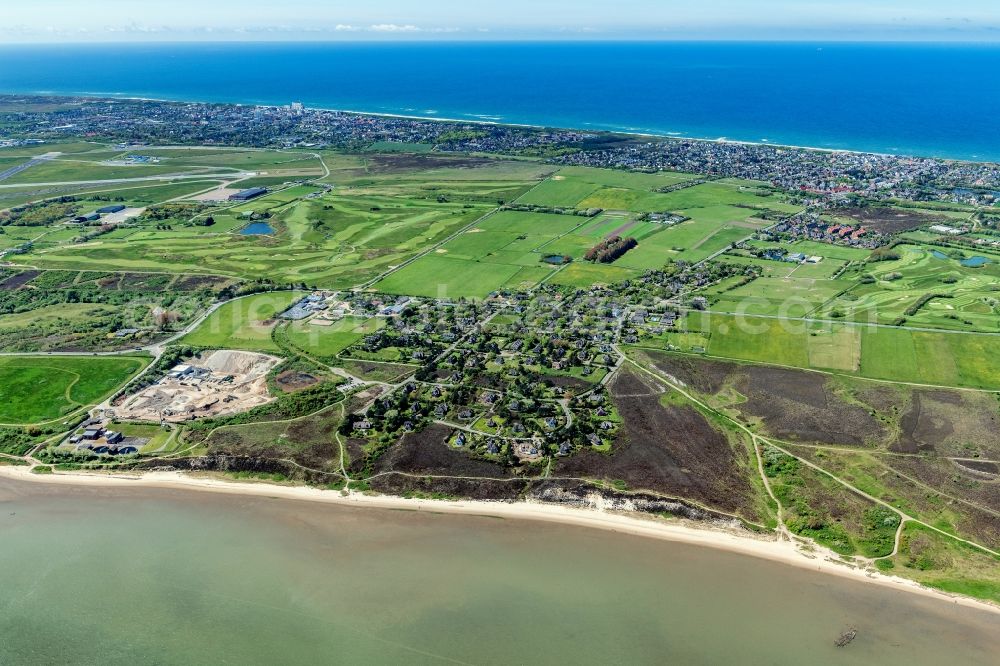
[
  {"x": 244, "y": 323},
  {"x": 97, "y": 162},
  {"x": 584, "y": 274},
  {"x": 829, "y": 251},
  {"x": 73, "y": 170},
  {"x": 328, "y": 341},
  {"x": 786, "y": 296},
  {"x": 691, "y": 241},
  {"x": 896, "y": 354},
  {"x": 41, "y": 388},
  {"x": 572, "y": 186},
  {"x": 505, "y": 250},
  {"x": 157, "y": 435},
  {"x": 443, "y": 277}
]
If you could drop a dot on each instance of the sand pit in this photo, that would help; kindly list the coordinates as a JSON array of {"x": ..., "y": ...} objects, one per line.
[{"x": 220, "y": 383}]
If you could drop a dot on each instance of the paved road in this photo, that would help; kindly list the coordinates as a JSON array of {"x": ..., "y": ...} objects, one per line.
[
  {"x": 229, "y": 175},
  {"x": 35, "y": 161}
]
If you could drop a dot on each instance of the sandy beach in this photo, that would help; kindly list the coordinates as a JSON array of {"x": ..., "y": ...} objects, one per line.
[{"x": 742, "y": 544}]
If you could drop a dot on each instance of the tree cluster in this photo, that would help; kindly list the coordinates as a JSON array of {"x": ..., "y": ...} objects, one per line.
[
  {"x": 40, "y": 214},
  {"x": 610, "y": 249}
]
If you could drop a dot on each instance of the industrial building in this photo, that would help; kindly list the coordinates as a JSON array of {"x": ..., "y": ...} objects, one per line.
[
  {"x": 108, "y": 210},
  {"x": 247, "y": 195}
]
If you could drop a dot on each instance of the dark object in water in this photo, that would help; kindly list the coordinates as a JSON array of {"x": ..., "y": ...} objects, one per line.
[{"x": 846, "y": 638}]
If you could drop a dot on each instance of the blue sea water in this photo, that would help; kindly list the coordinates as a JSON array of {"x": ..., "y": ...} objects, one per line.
[{"x": 926, "y": 99}]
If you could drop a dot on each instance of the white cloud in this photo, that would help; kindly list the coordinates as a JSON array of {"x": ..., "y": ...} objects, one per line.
[
  {"x": 50, "y": 20},
  {"x": 393, "y": 27}
]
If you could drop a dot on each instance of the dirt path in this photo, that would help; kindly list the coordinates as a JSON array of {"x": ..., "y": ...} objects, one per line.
[{"x": 902, "y": 515}]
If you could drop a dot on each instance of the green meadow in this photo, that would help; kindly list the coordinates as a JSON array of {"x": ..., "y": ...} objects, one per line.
[
  {"x": 943, "y": 358},
  {"x": 34, "y": 389},
  {"x": 243, "y": 323},
  {"x": 327, "y": 341}
]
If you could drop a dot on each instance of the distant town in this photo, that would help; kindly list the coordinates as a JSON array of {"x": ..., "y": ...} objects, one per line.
[{"x": 813, "y": 173}]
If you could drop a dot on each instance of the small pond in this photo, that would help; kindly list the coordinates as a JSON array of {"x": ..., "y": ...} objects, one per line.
[
  {"x": 975, "y": 262},
  {"x": 939, "y": 254},
  {"x": 555, "y": 259},
  {"x": 257, "y": 229}
]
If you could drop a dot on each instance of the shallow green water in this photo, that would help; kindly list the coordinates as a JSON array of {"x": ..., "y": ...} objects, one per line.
[{"x": 147, "y": 576}]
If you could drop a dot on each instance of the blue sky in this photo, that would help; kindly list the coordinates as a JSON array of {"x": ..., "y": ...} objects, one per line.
[{"x": 331, "y": 20}]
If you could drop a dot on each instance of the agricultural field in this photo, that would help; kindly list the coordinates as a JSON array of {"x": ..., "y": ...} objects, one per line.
[
  {"x": 585, "y": 274},
  {"x": 947, "y": 359},
  {"x": 34, "y": 389},
  {"x": 486, "y": 257},
  {"x": 790, "y": 296},
  {"x": 571, "y": 186},
  {"x": 720, "y": 213},
  {"x": 897, "y": 354},
  {"x": 244, "y": 323},
  {"x": 504, "y": 250},
  {"x": 441, "y": 277}
]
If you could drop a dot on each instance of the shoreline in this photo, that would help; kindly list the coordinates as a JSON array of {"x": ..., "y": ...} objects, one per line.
[
  {"x": 478, "y": 120},
  {"x": 772, "y": 550}
]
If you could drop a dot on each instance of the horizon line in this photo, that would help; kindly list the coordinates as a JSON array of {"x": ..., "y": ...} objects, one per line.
[{"x": 592, "y": 39}]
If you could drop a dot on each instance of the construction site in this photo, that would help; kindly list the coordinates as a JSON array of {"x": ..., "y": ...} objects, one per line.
[{"x": 218, "y": 384}]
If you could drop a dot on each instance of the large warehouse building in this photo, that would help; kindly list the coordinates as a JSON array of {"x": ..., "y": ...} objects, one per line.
[{"x": 247, "y": 195}]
